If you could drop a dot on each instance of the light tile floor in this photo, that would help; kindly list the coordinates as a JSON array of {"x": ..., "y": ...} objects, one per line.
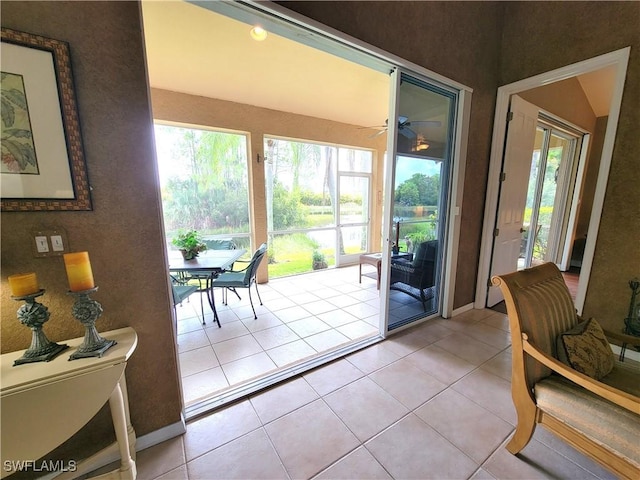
[
  {"x": 301, "y": 317},
  {"x": 430, "y": 402}
]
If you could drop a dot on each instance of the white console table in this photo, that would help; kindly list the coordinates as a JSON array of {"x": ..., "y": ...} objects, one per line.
[{"x": 43, "y": 404}]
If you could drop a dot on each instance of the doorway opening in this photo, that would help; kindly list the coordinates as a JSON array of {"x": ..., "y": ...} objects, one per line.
[
  {"x": 279, "y": 120},
  {"x": 615, "y": 64}
]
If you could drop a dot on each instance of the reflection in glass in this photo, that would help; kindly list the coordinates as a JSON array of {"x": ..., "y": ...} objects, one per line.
[{"x": 422, "y": 166}]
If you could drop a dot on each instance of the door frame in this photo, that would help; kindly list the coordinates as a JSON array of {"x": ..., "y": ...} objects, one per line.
[
  {"x": 617, "y": 58},
  {"x": 350, "y": 259}
]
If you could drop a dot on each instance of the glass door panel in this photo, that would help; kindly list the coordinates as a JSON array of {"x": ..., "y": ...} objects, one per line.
[
  {"x": 422, "y": 161},
  {"x": 530, "y": 209},
  {"x": 546, "y": 196},
  {"x": 552, "y": 203}
]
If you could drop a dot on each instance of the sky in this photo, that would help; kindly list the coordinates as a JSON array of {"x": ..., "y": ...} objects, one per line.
[{"x": 406, "y": 167}]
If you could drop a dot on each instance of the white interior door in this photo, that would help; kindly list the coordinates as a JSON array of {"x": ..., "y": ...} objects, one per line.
[{"x": 516, "y": 166}]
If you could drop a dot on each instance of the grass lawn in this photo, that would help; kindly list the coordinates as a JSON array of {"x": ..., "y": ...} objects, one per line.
[{"x": 292, "y": 254}]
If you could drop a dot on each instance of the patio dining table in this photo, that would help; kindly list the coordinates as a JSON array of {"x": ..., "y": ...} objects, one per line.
[{"x": 208, "y": 265}]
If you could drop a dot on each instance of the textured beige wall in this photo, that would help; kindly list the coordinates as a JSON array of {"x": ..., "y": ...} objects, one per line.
[
  {"x": 123, "y": 233},
  {"x": 257, "y": 122},
  {"x": 537, "y": 38}
]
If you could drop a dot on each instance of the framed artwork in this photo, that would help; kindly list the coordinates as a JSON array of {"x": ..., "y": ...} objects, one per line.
[{"x": 42, "y": 167}]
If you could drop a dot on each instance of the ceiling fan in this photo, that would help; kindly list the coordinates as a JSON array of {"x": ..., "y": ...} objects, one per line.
[{"x": 403, "y": 126}]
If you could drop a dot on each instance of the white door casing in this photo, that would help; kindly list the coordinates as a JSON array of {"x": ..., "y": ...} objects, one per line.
[
  {"x": 618, "y": 59},
  {"x": 521, "y": 132}
]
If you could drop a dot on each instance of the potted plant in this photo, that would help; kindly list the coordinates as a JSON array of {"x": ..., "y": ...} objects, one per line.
[
  {"x": 319, "y": 260},
  {"x": 190, "y": 243}
]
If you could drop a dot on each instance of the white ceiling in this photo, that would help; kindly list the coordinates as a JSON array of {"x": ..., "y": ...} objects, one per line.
[
  {"x": 598, "y": 87},
  {"x": 196, "y": 51}
]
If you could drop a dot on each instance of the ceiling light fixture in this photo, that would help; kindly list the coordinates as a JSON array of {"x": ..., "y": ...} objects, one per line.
[
  {"x": 258, "y": 33},
  {"x": 421, "y": 144}
]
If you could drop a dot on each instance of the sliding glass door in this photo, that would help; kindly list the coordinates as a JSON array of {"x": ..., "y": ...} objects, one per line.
[
  {"x": 419, "y": 176},
  {"x": 548, "y": 195}
]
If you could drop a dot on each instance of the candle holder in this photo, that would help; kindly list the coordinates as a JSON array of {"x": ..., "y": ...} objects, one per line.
[
  {"x": 87, "y": 311},
  {"x": 34, "y": 314}
]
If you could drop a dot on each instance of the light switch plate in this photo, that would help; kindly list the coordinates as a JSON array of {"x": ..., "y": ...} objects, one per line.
[
  {"x": 57, "y": 244},
  {"x": 42, "y": 245},
  {"x": 49, "y": 242}
]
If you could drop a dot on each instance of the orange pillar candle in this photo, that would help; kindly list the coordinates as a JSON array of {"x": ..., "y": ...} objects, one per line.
[
  {"x": 22, "y": 284},
  {"x": 79, "y": 271}
]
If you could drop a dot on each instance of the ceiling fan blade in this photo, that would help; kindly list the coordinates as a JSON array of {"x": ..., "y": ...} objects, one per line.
[
  {"x": 407, "y": 132},
  {"x": 378, "y": 133}
]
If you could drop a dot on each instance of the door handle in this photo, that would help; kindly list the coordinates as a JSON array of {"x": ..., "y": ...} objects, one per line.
[{"x": 522, "y": 230}]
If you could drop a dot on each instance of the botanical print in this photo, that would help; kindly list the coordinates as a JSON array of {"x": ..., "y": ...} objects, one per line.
[{"x": 18, "y": 150}]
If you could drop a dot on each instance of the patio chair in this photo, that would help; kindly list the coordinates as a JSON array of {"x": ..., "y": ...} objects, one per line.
[
  {"x": 219, "y": 244},
  {"x": 181, "y": 291},
  {"x": 201, "y": 278},
  {"x": 416, "y": 278},
  {"x": 232, "y": 280}
]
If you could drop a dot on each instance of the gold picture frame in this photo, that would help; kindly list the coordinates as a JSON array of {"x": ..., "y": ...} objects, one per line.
[{"x": 42, "y": 167}]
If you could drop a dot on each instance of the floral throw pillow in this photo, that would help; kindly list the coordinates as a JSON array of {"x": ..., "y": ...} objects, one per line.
[{"x": 586, "y": 349}]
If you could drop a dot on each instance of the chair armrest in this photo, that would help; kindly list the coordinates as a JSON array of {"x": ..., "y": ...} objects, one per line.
[
  {"x": 179, "y": 279},
  {"x": 619, "y": 397},
  {"x": 403, "y": 266},
  {"x": 623, "y": 337},
  {"x": 239, "y": 261}
]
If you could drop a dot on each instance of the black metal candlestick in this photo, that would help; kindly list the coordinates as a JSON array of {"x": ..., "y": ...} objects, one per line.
[
  {"x": 87, "y": 312},
  {"x": 34, "y": 314}
]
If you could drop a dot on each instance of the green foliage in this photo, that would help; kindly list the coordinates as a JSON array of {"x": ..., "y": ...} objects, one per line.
[
  {"x": 190, "y": 241},
  {"x": 417, "y": 233},
  {"x": 318, "y": 256},
  {"x": 211, "y": 190},
  {"x": 419, "y": 190},
  {"x": 287, "y": 209},
  {"x": 318, "y": 199}
]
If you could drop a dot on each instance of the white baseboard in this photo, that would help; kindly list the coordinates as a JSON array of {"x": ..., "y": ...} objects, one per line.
[
  {"x": 111, "y": 454},
  {"x": 161, "y": 435},
  {"x": 462, "y": 309}
]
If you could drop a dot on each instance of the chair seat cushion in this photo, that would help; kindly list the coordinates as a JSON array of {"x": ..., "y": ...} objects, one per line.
[
  {"x": 615, "y": 428},
  {"x": 624, "y": 376},
  {"x": 230, "y": 279},
  {"x": 180, "y": 292}
]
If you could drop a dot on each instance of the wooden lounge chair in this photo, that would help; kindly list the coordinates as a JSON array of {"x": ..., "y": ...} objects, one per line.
[{"x": 591, "y": 401}]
